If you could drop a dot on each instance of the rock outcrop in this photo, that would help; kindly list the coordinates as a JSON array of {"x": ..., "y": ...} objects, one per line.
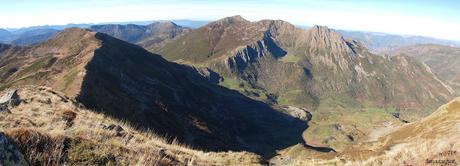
[{"x": 9, "y": 99}]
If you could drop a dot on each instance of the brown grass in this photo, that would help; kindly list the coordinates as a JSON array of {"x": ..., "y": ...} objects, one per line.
[
  {"x": 40, "y": 127},
  {"x": 432, "y": 138}
]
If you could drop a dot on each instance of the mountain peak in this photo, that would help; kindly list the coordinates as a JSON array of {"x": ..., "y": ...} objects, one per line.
[
  {"x": 232, "y": 19},
  {"x": 321, "y": 37},
  {"x": 164, "y": 24},
  {"x": 236, "y": 18},
  {"x": 69, "y": 36},
  {"x": 75, "y": 30},
  {"x": 323, "y": 31},
  {"x": 72, "y": 34},
  {"x": 320, "y": 27}
]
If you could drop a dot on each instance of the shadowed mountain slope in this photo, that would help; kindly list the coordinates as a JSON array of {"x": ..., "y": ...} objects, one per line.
[
  {"x": 49, "y": 128},
  {"x": 127, "y": 82}
]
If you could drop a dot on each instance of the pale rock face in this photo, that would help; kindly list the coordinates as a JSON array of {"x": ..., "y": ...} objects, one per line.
[
  {"x": 321, "y": 37},
  {"x": 300, "y": 113}
]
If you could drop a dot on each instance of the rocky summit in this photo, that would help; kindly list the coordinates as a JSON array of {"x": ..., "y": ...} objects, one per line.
[
  {"x": 305, "y": 67},
  {"x": 316, "y": 69}
]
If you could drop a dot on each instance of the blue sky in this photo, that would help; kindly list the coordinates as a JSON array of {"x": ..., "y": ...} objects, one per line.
[{"x": 435, "y": 18}]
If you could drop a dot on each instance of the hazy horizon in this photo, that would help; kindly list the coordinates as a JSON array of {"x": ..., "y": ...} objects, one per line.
[{"x": 419, "y": 18}]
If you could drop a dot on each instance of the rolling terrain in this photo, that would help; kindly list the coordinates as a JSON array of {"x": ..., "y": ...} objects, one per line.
[
  {"x": 444, "y": 61},
  {"x": 380, "y": 43},
  {"x": 231, "y": 92},
  {"x": 143, "y": 35},
  {"x": 281, "y": 59},
  {"x": 316, "y": 69},
  {"x": 48, "y": 127},
  {"x": 126, "y": 82},
  {"x": 431, "y": 140},
  {"x": 26, "y": 37}
]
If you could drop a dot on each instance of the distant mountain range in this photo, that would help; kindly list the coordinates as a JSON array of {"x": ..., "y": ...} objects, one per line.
[
  {"x": 36, "y": 34},
  {"x": 277, "y": 63},
  {"x": 382, "y": 42},
  {"x": 143, "y": 35},
  {"x": 26, "y": 36},
  {"x": 376, "y": 42},
  {"x": 266, "y": 87}
]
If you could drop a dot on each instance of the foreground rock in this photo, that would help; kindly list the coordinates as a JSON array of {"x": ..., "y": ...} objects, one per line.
[{"x": 9, "y": 100}]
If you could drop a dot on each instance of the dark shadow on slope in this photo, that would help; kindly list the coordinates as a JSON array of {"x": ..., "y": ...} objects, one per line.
[
  {"x": 129, "y": 83},
  {"x": 253, "y": 54},
  {"x": 273, "y": 48},
  {"x": 320, "y": 149}
]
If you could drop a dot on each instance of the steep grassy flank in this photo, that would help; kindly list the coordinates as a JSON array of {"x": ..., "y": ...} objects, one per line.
[
  {"x": 428, "y": 141},
  {"x": 50, "y": 128},
  {"x": 127, "y": 82},
  {"x": 338, "y": 127},
  {"x": 50, "y": 63},
  {"x": 443, "y": 60}
]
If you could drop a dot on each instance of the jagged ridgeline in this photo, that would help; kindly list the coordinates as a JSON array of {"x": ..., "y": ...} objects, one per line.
[
  {"x": 275, "y": 61},
  {"x": 146, "y": 36},
  {"x": 234, "y": 84},
  {"x": 125, "y": 81}
]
